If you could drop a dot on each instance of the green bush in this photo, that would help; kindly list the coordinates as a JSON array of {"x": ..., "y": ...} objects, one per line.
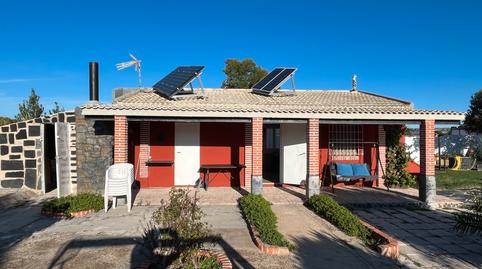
[
  {"x": 74, "y": 203},
  {"x": 337, "y": 214},
  {"x": 179, "y": 229},
  {"x": 258, "y": 212},
  {"x": 342, "y": 218},
  {"x": 204, "y": 263}
]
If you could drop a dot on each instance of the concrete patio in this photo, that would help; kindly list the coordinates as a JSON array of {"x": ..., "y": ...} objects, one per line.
[{"x": 349, "y": 196}]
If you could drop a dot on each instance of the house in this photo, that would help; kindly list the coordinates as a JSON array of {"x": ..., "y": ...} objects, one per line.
[
  {"x": 248, "y": 138},
  {"x": 181, "y": 135}
]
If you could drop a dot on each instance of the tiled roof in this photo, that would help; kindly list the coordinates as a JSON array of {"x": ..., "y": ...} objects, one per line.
[{"x": 238, "y": 101}]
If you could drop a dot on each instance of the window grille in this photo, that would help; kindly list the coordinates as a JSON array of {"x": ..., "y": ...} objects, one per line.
[{"x": 346, "y": 141}]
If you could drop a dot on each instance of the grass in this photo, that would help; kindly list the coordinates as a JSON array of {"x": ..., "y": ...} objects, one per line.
[{"x": 453, "y": 180}]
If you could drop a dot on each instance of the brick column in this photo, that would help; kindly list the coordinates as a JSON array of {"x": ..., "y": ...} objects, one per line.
[
  {"x": 382, "y": 153},
  {"x": 427, "y": 186},
  {"x": 248, "y": 155},
  {"x": 120, "y": 139},
  {"x": 144, "y": 151},
  {"x": 257, "y": 159},
  {"x": 313, "y": 139}
]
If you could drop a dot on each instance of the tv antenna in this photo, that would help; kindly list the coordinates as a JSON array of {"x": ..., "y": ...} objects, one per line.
[{"x": 137, "y": 66}]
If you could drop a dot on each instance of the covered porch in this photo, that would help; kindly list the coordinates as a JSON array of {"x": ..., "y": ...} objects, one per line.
[{"x": 169, "y": 152}]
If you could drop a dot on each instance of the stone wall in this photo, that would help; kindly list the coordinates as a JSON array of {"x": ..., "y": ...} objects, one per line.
[
  {"x": 21, "y": 151},
  {"x": 94, "y": 149}
]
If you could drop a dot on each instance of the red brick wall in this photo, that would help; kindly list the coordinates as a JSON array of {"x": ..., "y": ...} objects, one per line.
[
  {"x": 313, "y": 139},
  {"x": 382, "y": 153},
  {"x": 257, "y": 149},
  {"x": 120, "y": 139},
  {"x": 225, "y": 147},
  {"x": 248, "y": 154},
  {"x": 427, "y": 148}
]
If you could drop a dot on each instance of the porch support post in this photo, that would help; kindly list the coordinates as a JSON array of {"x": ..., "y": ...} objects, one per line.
[
  {"x": 427, "y": 185},
  {"x": 382, "y": 151},
  {"x": 313, "y": 138},
  {"x": 257, "y": 156},
  {"x": 120, "y": 139}
]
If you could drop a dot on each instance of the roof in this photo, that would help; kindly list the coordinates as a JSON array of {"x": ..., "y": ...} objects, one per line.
[{"x": 242, "y": 103}]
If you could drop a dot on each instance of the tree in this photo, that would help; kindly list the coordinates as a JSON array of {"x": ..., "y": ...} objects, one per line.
[
  {"x": 56, "y": 109},
  {"x": 5, "y": 120},
  {"x": 30, "y": 108},
  {"x": 473, "y": 118},
  {"x": 242, "y": 74}
]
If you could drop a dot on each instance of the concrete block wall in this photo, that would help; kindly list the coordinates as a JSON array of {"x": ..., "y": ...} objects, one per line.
[{"x": 21, "y": 151}]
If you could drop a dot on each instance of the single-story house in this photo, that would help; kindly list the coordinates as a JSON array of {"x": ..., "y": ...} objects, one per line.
[
  {"x": 243, "y": 137},
  {"x": 257, "y": 140}
]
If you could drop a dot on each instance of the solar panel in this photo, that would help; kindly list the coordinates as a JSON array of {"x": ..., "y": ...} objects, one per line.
[
  {"x": 273, "y": 80},
  {"x": 267, "y": 78},
  {"x": 175, "y": 81}
]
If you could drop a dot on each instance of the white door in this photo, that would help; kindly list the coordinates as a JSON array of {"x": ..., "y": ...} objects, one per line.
[
  {"x": 293, "y": 155},
  {"x": 62, "y": 158},
  {"x": 187, "y": 153}
]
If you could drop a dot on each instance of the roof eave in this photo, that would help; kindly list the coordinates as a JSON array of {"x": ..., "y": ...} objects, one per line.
[{"x": 300, "y": 115}]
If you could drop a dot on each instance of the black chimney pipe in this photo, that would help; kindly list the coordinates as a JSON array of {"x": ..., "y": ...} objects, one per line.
[{"x": 94, "y": 81}]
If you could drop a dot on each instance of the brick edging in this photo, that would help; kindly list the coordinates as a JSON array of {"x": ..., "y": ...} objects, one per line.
[
  {"x": 265, "y": 248},
  {"x": 391, "y": 249},
  {"x": 78, "y": 214},
  {"x": 220, "y": 256}
]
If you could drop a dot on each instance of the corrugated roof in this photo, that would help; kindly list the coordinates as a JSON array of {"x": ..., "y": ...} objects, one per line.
[{"x": 243, "y": 101}]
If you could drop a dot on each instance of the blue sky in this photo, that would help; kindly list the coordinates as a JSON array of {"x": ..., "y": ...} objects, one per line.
[{"x": 429, "y": 52}]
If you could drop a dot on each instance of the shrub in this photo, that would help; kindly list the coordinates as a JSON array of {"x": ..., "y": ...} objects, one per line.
[
  {"x": 179, "y": 227},
  {"x": 204, "y": 263},
  {"x": 396, "y": 173},
  {"x": 74, "y": 203},
  {"x": 336, "y": 214},
  {"x": 258, "y": 212},
  {"x": 342, "y": 218},
  {"x": 470, "y": 220}
]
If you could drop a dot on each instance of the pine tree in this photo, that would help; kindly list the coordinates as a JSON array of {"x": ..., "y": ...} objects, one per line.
[
  {"x": 56, "y": 109},
  {"x": 30, "y": 108}
]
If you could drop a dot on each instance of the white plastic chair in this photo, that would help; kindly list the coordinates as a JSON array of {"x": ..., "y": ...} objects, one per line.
[{"x": 118, "y": 182}]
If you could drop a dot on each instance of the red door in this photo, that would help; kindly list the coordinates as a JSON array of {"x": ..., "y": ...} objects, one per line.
[{"x": 161, "y": 149}]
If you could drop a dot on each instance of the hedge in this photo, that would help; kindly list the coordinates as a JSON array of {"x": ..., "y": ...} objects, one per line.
[
  {"x": 74, "y": 203},
  {"x": 342, "y": 218},
  {"x": 258, "y": 212}
]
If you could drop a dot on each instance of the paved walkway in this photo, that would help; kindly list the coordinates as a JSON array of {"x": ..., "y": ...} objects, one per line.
[
  {"x": 320, "y": 245},
  {"x": 427, "y": 237}
]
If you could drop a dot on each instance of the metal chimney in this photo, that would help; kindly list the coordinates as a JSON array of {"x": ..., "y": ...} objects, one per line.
[
  {"x": 353, "y": 83},
  {"x": 93, "y": 82}
]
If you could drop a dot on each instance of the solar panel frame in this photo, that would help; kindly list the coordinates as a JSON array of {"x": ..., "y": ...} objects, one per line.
[
  {"x": 175, "y": 81},
  {"x": 273, "y": 80}
]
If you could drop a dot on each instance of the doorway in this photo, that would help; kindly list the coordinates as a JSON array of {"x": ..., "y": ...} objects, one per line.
[
  {"x": 49, "y": 153},
  {"x": 271, "y": 153}
]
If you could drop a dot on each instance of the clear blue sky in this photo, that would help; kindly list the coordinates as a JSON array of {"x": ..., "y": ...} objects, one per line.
[{"x": 429, "y": 52}]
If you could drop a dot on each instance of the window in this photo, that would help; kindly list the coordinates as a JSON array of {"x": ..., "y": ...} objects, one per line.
[{"x": 346, "y": 140}]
